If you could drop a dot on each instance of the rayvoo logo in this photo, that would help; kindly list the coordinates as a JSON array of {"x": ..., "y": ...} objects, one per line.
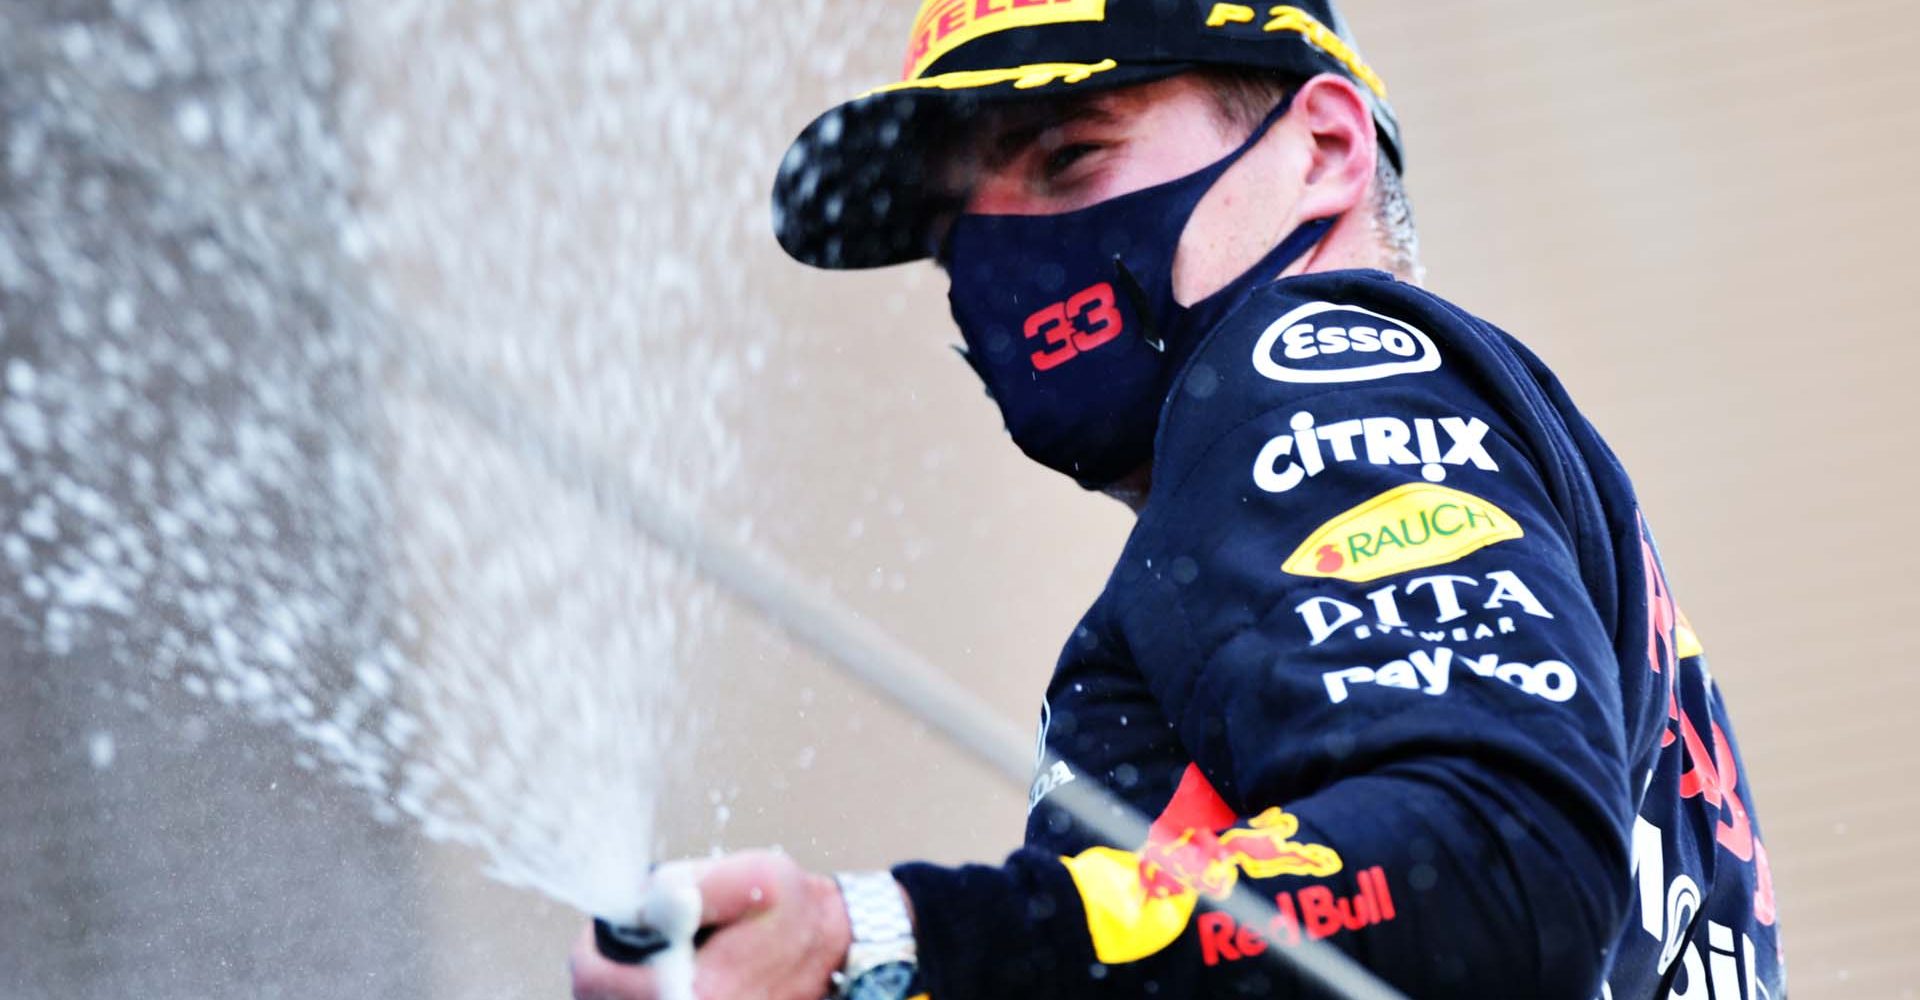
[{"x": 1368, "y": 346}]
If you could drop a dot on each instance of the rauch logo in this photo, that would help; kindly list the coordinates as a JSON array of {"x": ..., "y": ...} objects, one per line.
[{"x": 1409, "y": 527}]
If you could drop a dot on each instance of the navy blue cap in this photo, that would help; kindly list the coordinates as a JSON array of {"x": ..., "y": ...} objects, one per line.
[{"x": 854, "y": 192}]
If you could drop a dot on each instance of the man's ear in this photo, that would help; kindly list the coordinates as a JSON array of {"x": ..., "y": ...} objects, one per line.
[{"x": 1345, "y": 149}]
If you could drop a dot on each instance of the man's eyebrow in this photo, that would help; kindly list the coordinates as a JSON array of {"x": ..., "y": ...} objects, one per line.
[{"x": 1014, "y": 139}]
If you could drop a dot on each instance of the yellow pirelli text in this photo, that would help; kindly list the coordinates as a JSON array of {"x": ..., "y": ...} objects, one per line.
[
  {"x": 1406, "y": 528},
  {"x": 1022, "y": 77},
  {"x": 1289, "y": 18},
  {"x": 945, "y": 25}
]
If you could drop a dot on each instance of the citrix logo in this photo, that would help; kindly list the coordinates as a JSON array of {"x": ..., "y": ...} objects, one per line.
[{"x": 1385, "y": 440}]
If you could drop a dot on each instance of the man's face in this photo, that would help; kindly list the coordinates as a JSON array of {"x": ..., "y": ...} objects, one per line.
[{"x": 1050, "y": 157}]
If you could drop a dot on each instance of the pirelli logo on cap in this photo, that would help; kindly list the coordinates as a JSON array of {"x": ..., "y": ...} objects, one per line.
[
  {"x": 1284, "y": 17},
  {"x": 945, "y": 25}
]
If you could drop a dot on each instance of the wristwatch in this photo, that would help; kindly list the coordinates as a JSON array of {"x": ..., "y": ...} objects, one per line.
[{"x": 882, "y": 962}]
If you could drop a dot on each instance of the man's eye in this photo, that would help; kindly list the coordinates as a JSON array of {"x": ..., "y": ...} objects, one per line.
[{"x": 1062, "y": 159}]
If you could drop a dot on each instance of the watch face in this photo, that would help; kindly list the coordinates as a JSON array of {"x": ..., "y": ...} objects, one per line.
[{"x": 891, "y": 981}]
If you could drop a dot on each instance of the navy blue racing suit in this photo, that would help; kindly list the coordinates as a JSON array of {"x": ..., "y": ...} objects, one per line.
[{"x": 1391, "y": 645}]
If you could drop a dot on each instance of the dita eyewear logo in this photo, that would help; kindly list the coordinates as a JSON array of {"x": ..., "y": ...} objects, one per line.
[
  {"x": 1047, "y": 775},
  {"x": 1432, "y": 608}
]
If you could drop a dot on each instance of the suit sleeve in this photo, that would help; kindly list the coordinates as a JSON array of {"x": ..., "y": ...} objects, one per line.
[{"x": 1363, "y": 612}]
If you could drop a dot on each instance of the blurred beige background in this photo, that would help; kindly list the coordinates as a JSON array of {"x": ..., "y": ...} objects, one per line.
[{"x": 1698, "y": 212}]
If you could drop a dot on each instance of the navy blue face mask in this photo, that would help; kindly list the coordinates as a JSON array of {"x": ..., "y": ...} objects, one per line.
[{"x": 1071, "y": 322}]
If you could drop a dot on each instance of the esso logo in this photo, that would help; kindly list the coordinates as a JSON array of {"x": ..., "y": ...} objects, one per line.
[{"x": 1324, "y": 343}]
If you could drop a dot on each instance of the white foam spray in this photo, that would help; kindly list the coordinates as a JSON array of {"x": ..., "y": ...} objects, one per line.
[{"x": 230, "y": 468}]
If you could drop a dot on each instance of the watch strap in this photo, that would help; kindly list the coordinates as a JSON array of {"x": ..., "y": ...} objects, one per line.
[{"x": 882, "y": 928}]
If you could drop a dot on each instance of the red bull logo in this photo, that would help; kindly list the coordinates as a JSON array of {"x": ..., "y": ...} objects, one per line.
[
  {"x": 1315, "y": 911},
  {"x": 1711, "y": 773},
  {"x": 1211, "y": 862},
  {"x": 1139, "y": 903}
]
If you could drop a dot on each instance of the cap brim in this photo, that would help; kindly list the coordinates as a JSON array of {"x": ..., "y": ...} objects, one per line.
[{"x": 858, "y": 187}]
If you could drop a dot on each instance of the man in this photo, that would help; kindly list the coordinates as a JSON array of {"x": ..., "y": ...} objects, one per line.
[{"x": 1390, "y": 645}]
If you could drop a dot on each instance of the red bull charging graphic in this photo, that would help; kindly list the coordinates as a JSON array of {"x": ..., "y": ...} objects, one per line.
[{"x": 1138, "y": 903}]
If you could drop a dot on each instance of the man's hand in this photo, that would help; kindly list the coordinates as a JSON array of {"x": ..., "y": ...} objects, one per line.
[{"x": 779, "y": 932}]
